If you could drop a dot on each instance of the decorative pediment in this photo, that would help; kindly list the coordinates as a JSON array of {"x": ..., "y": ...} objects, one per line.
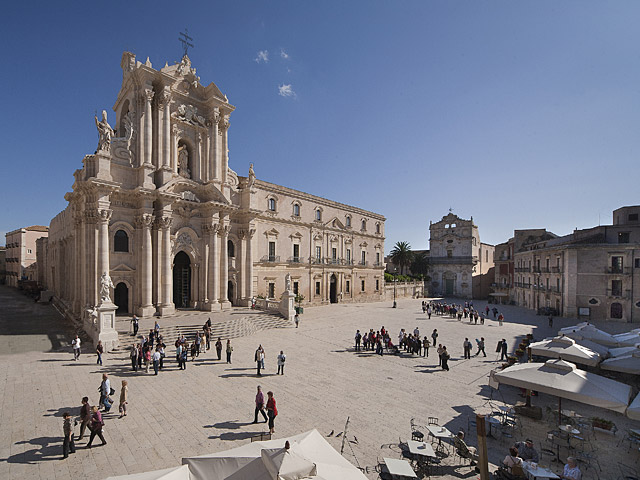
[
  {"x": 364, "y": 244},
  {"x": 122, "y": 268},
  {"x": 272, "y": 233},
  {"x": 317, "y": 236},
  {"x": 296, "y": 235},
  {"x": 192, "y": 191},
  {"x": 335, "y": 223}
]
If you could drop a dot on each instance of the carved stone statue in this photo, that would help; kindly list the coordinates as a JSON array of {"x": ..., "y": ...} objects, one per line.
[
  {"x": 105, "y": 132},
  {"x": 252, "y": 175},
  {"x": 105, "y": 288},
  {"x": 183, "y": 163},
  {"x": 93, "y": 314},
  {"x": 287, "y": 282}
]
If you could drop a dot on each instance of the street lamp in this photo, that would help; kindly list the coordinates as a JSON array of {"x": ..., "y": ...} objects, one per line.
[{"x": 395, "y": 271}]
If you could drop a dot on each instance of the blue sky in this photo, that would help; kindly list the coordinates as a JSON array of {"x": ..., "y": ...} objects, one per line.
[{"x": 520, "y": 114}]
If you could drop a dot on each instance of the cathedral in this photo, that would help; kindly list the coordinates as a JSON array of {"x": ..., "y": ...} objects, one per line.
[{"x": 158, "y": 208}]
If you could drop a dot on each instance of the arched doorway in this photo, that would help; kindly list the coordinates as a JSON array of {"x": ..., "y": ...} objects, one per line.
[
  {"x": 182, "y": 280},
  {"x": 121, "y": 298},
  {"x": 333, "y": 289},
  {"x": 230, "y": 291}
]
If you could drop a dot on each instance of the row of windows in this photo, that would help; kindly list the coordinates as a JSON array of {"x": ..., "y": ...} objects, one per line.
[
  {"x": 271, "y": 206},
  {"x": 318, "y": 253},
  {"x": 271, "y": 287}
]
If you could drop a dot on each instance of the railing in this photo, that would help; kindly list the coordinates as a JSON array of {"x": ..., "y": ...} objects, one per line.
[
  {"x": 377, "y": 264},
  {"x": 555, "y": 289},
  {"x": 536, "y": 270},
  {"x": 522, "y": 285},
  {"x": 316, "y": 261},
  {"x": 294, "y": 260},
  {"x": 523, "y": 269},
  {"x": 540, "y": 288},
  {"x": 332, "y": 261},
  {"x": 545, "y": 270},
  {"x": 625, "y": 294},
  {"x": 556, "y": 270},
  {"x": 363, "y": 264},
  {"x": 618, "y": 270},
  {"x": 270, "y": 259}
]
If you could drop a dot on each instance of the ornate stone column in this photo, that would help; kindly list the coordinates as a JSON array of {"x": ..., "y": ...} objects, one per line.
[
  {"x": 248, "y": 264},
  {"x": 104, "y": 216},
  {"x": 165, "y": 143},
  {"x": 145, "y": 275},
  {"x": 167, "y": 306},
  {"x": 224, "y": 266},
  {"x": 195, "y": 285},
  {"x": 148, "y": 125},
  {"x": 223, "y": 126},
  {"x": 196, "y": 173},
  {"x": 174, "y": 148},
  {"x": 241, "y": 277},
  {"x": 213, "y": 146},
  {"x": 214, "y": 262}
]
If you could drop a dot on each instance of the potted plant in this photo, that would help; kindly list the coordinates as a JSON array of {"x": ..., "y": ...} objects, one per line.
[
  {"x": 520, "y": 352},
  {"x": 299, "y": 299},
  {"x": 602, "y": 423}
]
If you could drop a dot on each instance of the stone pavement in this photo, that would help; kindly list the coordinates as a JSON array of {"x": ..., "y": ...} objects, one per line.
[{"x": 209, "y": 407}]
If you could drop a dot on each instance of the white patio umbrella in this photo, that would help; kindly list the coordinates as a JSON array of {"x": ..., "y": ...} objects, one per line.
[
  {"x": 627, "y": 339},
  {"x": 564, "y": 380},
  {"x": 633, "y": 410},
  {"x": 282, "y": 464},
  {"x": 174, "y": 473},
  {"x": 567, "y": 349},
  {"x": 629, "y": 363},
  {"x": 593, "y": 346},
  {"x": 617, "y": 352},
  {"x": 588, "y": 331}
]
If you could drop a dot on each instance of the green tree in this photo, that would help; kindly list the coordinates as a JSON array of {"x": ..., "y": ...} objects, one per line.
[
  {"x": 401, "y": 255},
  {"x": 420, "y": 264}
]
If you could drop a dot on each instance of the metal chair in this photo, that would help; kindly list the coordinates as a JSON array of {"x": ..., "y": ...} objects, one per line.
[
  {"x": 416, "y": 433},
  {"x": 433, "y": 421}
]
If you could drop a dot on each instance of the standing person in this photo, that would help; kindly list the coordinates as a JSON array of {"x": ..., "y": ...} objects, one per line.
[
  {"x": 296, "y": 319},
  {"x": 439, "y": 351},
  {"x": 416, "y": 332},
  {"x": 259, "y": 406},
  {"x": 272, "y": 411},
  {"x": 486, "y": 309},
  {"x": 229, "y": 351},
  {"x": 425, "y": 347},
  {"x": 68, "y": 446},
  {"x": 183, "y": 355},
  {"x": 434, "y": 336},
  {"x": 75, "y": 343},
  {"x": 550, "y": 321},
  {"x": 219, "y": 348},
  {"x": 147, "y": 359},
  {"x": 467, "y": 348},
  {"x": 445, "y": 358},
  {"x": 262, "y": 357},
  {"x": 135, "y": 323},
  {"x": 124, "y": 390},
  {"x": 480, "y": 344},
  {"x": 133, "y": 354},
  {"x": 281, "y": 359},
  {"x": 156, "y": 361},
  {"x": 162, "y": 355},
  {"x": 85, "y": 416},
  {"x": 96, "y": 426},
  {"x": 358, "y": 339},
  {"x": 429, "y": 311},
  {"x": 500, "y": 319},
  {"x": 105, "y": 391},
  {"x": 257, "y": 358},
  {"x": 99, "y": 352},
  {"x": 503, "y": 349}
]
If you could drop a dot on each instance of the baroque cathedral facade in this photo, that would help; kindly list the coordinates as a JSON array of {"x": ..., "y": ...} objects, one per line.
[{"x": 159, "y": 209}]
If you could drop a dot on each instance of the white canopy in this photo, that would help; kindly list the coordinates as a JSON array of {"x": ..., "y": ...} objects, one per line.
[
  {"x": 281, "y": 464},
  {"x": 310, "y": 446},
  {"x": 588, "y": 331},
  {"x": 567, "y": 349},
  {"x": 563, "y": 379},
  {"x": 629, "y": 363},
  {"x": 628, "y": 339},
  {"x": 633, "y": 410},
  {"x": 174, "y": 473},
  {"x": 617, "y": 352}
]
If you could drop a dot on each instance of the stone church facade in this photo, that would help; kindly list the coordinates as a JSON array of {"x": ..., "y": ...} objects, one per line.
[
  {"x": 459, "y": 264},
  {"x": 158, "y": 207}
]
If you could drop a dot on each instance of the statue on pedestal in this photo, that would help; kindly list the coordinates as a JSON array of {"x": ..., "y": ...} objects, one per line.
[
  {"x": 252, "y": 175},
  {"x": 287, "y": 282},
  {"x": 183, "y": 163},
  {"x": 105, "y": 132},
  {"x": 105, "y": 288}
]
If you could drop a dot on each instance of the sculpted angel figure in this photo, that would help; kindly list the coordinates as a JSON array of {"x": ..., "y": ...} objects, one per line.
[
  {"x": 105, "y": 285},
  {"x": 105, "y": 132}
]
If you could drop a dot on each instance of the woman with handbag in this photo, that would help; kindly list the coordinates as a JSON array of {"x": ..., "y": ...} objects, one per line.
[
  {"x": 96, "y": 426},
  {"x": 272, "y": 411}
]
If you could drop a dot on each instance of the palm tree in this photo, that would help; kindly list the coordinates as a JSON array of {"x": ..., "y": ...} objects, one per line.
[
  {"x": 420, "y": 264},
  {"x": 401, "y": 255}
]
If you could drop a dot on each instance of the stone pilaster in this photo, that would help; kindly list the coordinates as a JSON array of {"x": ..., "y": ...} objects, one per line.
[
  {"x": 164, "y": 102},
  {"x": 167, "y": 306},
  {"x": 148, "y": 125},
  {"x": 104, "y": 216},
  {"x": 223, "y": 233},
  {"x": 144, "y": 222}
]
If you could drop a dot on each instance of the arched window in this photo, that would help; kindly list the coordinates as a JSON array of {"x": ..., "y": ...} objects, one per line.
[
  {"x": 121, "y": 241},
  {"x": 348, "y": 221},
  {"x": 318, "y": 214},
  {"x": 272, "y": 204},
  {"x": 616, "y": 310},
  {"x": 231, "y": 249},
  {"x": 377, "y": 228},
  {"x": 364, "y": 225},
  {"x": 296, "y": 210}
]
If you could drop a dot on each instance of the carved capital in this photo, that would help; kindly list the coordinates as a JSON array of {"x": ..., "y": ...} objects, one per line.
[
  {"x": 223, "y": 123},
  {"x": 105, "y": 215},
  {"x": 144, "y": 221},
  {"x": 211, "y": 229},
  {"x": 224, "y": 231},
  {"x": 91, "y": 215},
  {"x": 147, "y": 95},
  {"x": 164, "y": 222},
  {"x": 242, "y": 234}
]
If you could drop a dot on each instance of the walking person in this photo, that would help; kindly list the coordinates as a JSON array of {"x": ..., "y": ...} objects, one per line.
[
  {"x": 85, "y": 416},
  {"x": 219, "y": 348},
  {"x": 296, "y": 319},
  {"x": 229, "y": 351},
  {"x": 96, "y": 426},
  {"x": 434, "y": 336},
  {"x": 259, "y": 406},
  {"x": 500, "y": 319},
  {"x": 135, "y": 323},
  {"x": 550, "y": 321},
  {"x": 503, "y": 349},
  {"x": 124, "y": 390},
  {"x": 75, "y": 343},
  {"x": 156, "y": 361},
  {"x": 257, "y": 358},
  {"x": 68, "y": 446},
  {"x": 262, "y": 356},
  {"x": 281, "y": 359},
  {"x": 425, "y": 347},
  {"x": 133, "y": 354},
  {"x": 99, "y": 352},
  {"x": 272, "y": 411},
  {"x": 480, "y": 344},
  {"x": 445, "y": 358},
  {"x": 105, "y": 391}
]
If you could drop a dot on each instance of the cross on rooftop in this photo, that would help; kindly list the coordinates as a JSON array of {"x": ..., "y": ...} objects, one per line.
[{"x": 186, "y": 41}]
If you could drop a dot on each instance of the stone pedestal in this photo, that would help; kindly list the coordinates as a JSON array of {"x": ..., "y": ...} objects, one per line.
[
  {"x": 103, "y": 326},
  {"x": 287, "y": 308},
  {"x": 163, "y": 175},
  {"x": 167, "y": 309},
  {"x": 149, "y": 311},
  {"x": 145, "y": 176},
  {"x": 226, "y": 305},
  {"x": 212, "y": 307},
  {"x": 99, "y": 166}
]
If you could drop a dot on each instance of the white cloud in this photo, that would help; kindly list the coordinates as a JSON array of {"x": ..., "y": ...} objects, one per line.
[
  {"x": 286, "y": 91},
  {"x": 263, "y": 57},
  {"x": 284, "y": 54}
]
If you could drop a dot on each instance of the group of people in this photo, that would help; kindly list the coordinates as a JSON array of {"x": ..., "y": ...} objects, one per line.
[
  {"x": 272, "y": 411},
  {"x": 259, "y": 359},
  {"x": 462, "y": 311},
  {"x": 525, "y": 451}
]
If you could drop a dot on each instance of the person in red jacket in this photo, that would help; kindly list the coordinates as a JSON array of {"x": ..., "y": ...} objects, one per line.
[{"x": 272, "y": 411}]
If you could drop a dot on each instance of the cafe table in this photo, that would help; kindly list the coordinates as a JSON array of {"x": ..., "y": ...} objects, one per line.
[
  {"x": 399, "y": 468},
  {"x": 439, "y": 432},
  {"x": 421, "y": 449},
  {"x": 536, "y": 472}
]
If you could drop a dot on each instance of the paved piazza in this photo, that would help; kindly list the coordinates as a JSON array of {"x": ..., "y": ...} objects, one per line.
[{"x": 209, "y": 406}]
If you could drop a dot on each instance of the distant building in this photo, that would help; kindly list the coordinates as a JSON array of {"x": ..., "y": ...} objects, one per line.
[
  {"x": 3, "y": 265},
  {"x": 21, "y": 251},
  {"x": 591, "y": 273},
  {"x": 460, "y": 264}
]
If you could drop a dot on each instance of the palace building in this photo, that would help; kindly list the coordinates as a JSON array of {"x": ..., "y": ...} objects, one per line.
[{"x": 158, "y": 207}]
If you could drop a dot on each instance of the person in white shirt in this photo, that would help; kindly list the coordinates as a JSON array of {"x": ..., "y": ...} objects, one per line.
[
  {"x": 281, "y": 358},
  {"x": 156, "y": 361},
  {"x": 75, "y": 343}
]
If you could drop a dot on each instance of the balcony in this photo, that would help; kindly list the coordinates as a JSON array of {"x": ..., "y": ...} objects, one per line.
[
  {"x": 540, "y": 288},
  {"x": 556, "y": 270},
  {"x": 270, "y": 259},
  {"x": 522, "y": 285},
  {"x": 316, "y": 261},
  {"x": 452, "y": 260},
  {"x": 536, "y": 270},
  {"x": 624, "y": 294},
  {"x": 377, "y": 264},
  {"x": 545, "y": 270},
  {"x": 555, "y": 290},
  {"x": 363, "y": 264},
  {"x": 501, "y": 286},
  {"x": 618, "y": 270},
  {"x": 295, "y": 260},
  {"x": 332, "y": 261},
  {"x": 523, "y": 269}
]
